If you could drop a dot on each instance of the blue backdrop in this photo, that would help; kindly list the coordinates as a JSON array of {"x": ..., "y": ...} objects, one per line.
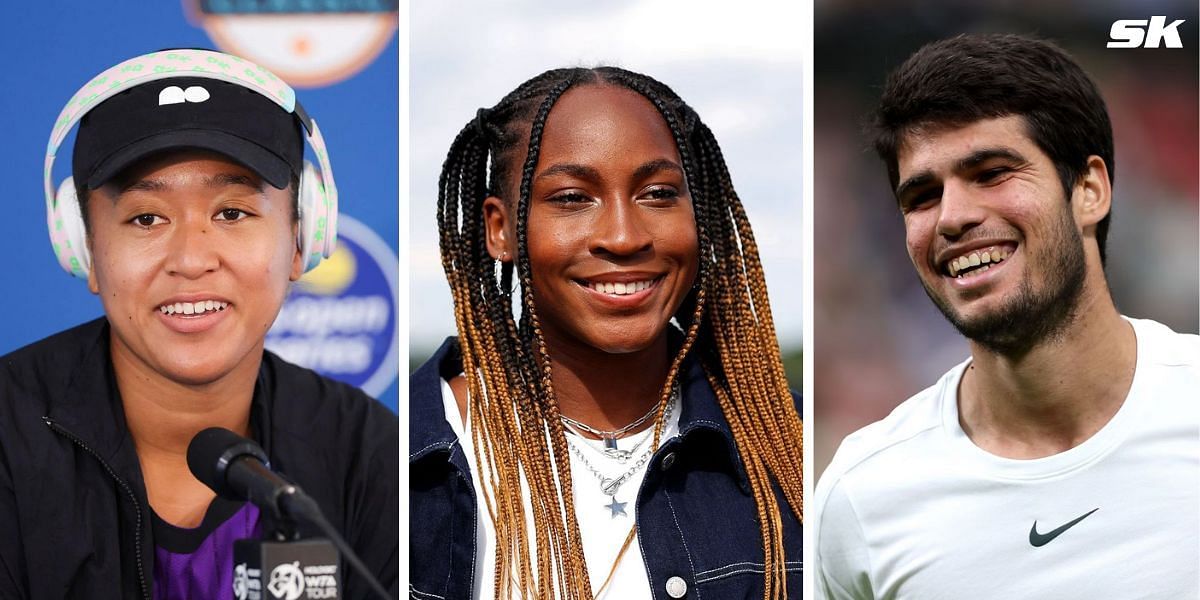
[{"x": 55, "y": 46}]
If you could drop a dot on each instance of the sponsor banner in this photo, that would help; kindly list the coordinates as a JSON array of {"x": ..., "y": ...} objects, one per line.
[{"x": 340, "y": 319}]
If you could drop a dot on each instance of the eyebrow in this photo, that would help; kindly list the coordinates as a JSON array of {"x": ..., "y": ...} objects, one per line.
[
  {"x": 226, "y": 179},
  {"x": 572, "y": 169},
  {"x": 916, "y": 181},
  {"x": 218, "y": 180},
  {"x": 585, "y": 172},
  {"x": 655, "y": 166},
  {"x": 982, "y": 155},
  {"x": 143, "y": 185},
  {"x": 965, "y": 163}
]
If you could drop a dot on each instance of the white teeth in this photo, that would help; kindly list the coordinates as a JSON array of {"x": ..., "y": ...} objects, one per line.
[
  {"x": 956, "y": 266},
  {"x": 192, "y": 308},
  {"x": 620, "y": 288}
]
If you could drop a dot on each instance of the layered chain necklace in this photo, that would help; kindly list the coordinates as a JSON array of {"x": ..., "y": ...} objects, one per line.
[
  {"x": 610, "y": 437},
  {"x": 610, "y": 486}
]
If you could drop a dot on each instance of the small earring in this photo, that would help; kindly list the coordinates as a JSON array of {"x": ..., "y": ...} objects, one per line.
[{"x": 503, "y": 256}]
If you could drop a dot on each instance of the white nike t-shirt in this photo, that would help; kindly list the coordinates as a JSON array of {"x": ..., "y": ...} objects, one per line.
[
  {"x": 911, "y": 508},
  {"x": 602, "y": 533}
]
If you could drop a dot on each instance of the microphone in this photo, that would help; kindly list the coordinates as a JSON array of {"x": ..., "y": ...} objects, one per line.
[{"x": 237, "y": 469}]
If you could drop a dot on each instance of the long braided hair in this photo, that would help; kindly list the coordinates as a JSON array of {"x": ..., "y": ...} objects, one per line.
[{"x": 514, "y": 413}]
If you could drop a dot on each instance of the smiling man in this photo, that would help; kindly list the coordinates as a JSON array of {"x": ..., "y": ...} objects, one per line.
[
  {"x": 1062, "y": 458},
  {"x": 191, "y": 197}
]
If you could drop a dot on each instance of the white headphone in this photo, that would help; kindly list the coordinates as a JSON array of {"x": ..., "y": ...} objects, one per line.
[{"x": 317, "y": 194}]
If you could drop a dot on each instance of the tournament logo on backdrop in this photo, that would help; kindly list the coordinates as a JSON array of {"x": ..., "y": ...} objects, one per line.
[
  {"x": 340, "y": 319},
  {"x": 308, "y": 44}
]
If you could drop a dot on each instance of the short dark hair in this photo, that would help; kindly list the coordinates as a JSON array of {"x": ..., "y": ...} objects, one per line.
[{"x": 967, "y": 78}]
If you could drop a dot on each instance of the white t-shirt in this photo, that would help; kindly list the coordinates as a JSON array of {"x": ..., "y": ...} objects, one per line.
[
  {"x": 911, "y": 508},
  {"x": 602, "y": 533}
]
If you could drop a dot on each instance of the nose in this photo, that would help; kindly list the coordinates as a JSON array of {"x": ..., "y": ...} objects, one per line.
[
  {"x": 621, "y": 229},
  {"x": 192, "y": 250},
  {"x": 958, "y": 210}
]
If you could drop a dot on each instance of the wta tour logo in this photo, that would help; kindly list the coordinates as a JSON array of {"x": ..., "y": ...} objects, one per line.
[
  {"x": 340, "y": 319},
  {"x": 287, "y": 581},
  {"x": 306, "y": 43}
]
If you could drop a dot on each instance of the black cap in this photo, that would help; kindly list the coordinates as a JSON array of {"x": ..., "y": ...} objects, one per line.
[{"x": 188, "y": 112}]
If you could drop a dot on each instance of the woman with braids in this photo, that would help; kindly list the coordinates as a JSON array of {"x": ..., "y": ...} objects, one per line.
[{"x": 612, "y": 420}]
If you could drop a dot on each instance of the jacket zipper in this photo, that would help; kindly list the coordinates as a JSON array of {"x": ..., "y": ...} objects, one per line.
[{"x": 137, "y": 531}]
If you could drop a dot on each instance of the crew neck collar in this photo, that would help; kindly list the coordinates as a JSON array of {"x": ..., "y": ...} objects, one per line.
[{"x": 1103, "y": 442}]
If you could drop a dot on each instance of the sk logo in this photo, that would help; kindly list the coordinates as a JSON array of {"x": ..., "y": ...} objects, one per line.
[
  {"x": 175, "y": 95},
  {"x": 1132, "y": 32}
]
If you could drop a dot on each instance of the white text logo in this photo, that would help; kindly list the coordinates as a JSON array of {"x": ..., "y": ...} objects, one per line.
[
  {"x": 1132, "y": 33},
  {"x": 239, "y": 581}
]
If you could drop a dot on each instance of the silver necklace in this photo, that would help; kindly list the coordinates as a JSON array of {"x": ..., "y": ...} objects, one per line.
[
  {"x": 620, "y": 455},
  {"x": 611, "y": 485},
  {"x": 610, "y": 437}
]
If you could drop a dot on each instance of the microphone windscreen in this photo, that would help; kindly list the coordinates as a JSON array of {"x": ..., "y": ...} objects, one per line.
[{"x": 212, "y": 451}]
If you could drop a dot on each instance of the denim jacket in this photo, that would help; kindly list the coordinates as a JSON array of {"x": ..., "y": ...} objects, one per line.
[{"x": 696, "y": 517}]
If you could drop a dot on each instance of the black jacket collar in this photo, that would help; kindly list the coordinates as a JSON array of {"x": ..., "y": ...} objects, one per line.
[{"x": 90, "y": 403}]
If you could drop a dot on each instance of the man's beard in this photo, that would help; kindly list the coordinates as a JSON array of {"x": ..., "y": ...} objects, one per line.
[{"x": 1030, "y": 316}]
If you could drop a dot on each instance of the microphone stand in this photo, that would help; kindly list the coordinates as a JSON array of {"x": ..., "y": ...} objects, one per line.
[
  {"x": 282, "y": 563},
  {"x": 288, "y": 565}
]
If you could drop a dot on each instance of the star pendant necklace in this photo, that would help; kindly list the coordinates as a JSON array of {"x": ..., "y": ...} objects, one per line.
[{"x": 610, "y": 486}]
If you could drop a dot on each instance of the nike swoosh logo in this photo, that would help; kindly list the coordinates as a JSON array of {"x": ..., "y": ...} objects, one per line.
[{"x": 1041, "y": 539}]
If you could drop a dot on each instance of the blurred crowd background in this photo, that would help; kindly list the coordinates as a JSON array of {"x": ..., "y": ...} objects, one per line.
[{"x": 878, "y": 338}]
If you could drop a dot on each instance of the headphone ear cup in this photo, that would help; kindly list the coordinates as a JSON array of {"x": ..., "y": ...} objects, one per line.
[
  {"x": 67, "y": 232},
  {"x": 318, "y": 218}
]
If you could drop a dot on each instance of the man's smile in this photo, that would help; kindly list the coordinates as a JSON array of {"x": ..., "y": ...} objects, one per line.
[{"x": 965, "y": 263}]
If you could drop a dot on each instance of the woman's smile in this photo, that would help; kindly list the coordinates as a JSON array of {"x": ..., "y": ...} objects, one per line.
[
  {"x": 612, "y": 240},
  {"x": 193, "y": 255}
]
